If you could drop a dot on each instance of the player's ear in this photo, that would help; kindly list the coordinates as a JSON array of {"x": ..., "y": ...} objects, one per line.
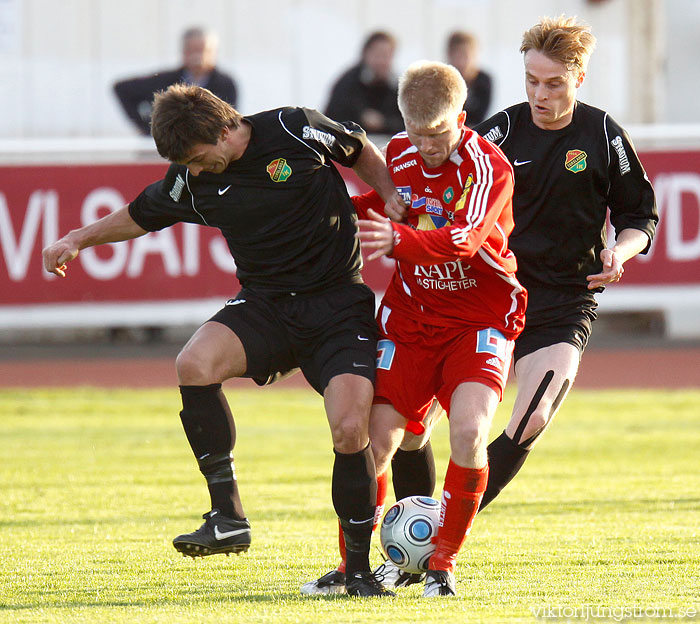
[
  {"x": 461, "y": 119},
  {"x": 579, "y": 80},
  {"x": 224, "y": 133}
]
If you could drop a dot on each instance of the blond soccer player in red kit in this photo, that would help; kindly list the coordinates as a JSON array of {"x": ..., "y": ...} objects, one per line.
[{"x": 453, "y": 308}]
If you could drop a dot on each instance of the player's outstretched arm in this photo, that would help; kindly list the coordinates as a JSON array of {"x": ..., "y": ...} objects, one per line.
[
  {"x": 371, "y": 168},
  {"x": 115, "y": 227},
  {"x": 629, "y": 243}
]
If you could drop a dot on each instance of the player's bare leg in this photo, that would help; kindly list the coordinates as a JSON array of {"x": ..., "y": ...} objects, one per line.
[
  {"x": 544, "y": 379},
  {"x": 213, "y": 354},
  {"x": 413, "y": 474},
  {"x": 471, "y": 411},
  {"x": 386, "y": 428},
  {"x": 348, "y": 399}
]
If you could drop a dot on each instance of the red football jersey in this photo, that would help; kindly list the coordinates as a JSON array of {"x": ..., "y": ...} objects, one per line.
[{"x": 453, "y": 263}]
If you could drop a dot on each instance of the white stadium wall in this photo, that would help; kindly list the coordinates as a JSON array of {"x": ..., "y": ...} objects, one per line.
[{"x": 59, "y": 58}]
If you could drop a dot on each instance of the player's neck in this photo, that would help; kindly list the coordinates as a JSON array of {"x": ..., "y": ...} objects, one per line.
[{"x": 238, "y": 140}]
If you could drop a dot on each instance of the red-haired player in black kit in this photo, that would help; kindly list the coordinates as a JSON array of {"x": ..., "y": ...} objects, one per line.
[{"x": 572, "y": 164}]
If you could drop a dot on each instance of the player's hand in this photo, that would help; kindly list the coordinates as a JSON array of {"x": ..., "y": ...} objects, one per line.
[
  {"x": 395, "y": 208},
  {"x": 612, "y": 270},
  {"x": 58, "y": 254},
  {"x": 376, "y": 235}
]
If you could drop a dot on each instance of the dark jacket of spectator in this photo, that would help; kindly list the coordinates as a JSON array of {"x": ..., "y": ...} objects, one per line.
[{"x": 136, "y": 94}]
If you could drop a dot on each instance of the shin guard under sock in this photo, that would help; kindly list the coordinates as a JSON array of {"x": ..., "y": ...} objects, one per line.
[
  {"x": 208, "y": 423},
  {"x": 413, "y": 472},
  {"x": 506, "y": 458},
  {"x": 461, "y": 496},
  {"x": 354, "y": 491}
]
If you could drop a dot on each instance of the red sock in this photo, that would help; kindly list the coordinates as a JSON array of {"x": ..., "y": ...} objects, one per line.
[
  {"x": 341, "y": 548},
  {"x": 382, "y": 481},
  {"x": 461, "y": 495}
]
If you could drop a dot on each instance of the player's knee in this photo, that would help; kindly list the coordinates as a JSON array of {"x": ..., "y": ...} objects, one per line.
[
  {"x": 349, "y": 434},
  {"x": 193, "y": 370},
  {"x": 468, "y": 434}
]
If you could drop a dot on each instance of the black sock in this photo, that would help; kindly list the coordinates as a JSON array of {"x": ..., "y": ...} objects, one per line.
[
  {"x": 413, "y": 472},
  {"x": 208, "y": 423},
  {"x": 354, "y": 491},
  {"x": 506, "y": 458}
]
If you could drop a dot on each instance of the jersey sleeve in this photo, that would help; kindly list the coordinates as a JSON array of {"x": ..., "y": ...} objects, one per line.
[
  {"x": 341, "y": 142},
  {"x": 165, "y": 202},
  {"x": 369, "y": 200},
  {"x": 631, "y": 197},
  {"x": 495, "y": 128},
  {"x": 483, "y": 200}
]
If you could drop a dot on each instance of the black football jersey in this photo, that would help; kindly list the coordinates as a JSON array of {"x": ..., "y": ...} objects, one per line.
[
  {"x": 565, "y": 181},
  {"x": 282, "y": 207}
]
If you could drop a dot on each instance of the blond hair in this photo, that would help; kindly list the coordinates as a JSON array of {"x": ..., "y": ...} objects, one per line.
[
  {"x": 561, "y": 39},
  {"x": 431, "y": 92}
]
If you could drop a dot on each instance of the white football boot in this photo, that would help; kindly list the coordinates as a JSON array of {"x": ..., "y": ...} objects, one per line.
[
  {"x": 331, "y": 583},
  {"x": 439, "y": 583},
  {"x": 393, "y": 577}
]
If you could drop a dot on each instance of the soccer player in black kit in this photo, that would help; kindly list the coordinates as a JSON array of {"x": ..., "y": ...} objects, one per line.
[
  {"x": 268, "y": 183},
  {"x": 572, "y": 163}
]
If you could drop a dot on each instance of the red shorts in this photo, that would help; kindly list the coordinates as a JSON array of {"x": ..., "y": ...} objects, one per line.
[{"x": 417, "y": 362}]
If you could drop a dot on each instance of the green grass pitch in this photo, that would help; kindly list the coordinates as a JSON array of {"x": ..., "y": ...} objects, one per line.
[{"x": 95, "y": 483}]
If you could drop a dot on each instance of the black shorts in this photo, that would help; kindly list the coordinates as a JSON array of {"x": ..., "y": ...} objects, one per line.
[
  {"x": 555, "y": 316},
  {"x": 325, "y": 334}
]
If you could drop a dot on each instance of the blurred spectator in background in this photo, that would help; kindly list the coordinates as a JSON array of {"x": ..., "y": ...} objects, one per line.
[
  {"x": 463, "y": 53},
  {"x": 367, "y": 92},
  {"x": 199, "y": 50}
]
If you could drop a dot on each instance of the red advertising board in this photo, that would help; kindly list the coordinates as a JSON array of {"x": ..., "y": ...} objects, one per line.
[
  {"x": 40, "y": 203},
  {"x": 674, "y": 258}
]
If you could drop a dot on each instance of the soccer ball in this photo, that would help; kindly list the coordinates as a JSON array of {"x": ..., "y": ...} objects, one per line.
[{"x": 408, "y": 530}]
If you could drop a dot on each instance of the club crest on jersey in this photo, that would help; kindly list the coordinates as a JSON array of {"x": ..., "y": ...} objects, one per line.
[
  {"x": 279, "y": 170},
  {"x": 448, "y": 195},
  {"x": 575, "y": 160}
]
